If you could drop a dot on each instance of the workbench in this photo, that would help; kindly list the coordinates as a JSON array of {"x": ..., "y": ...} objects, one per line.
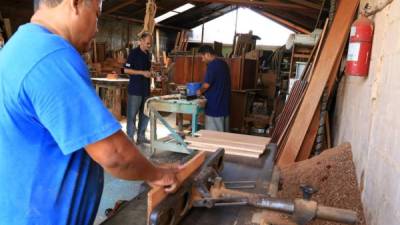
[
  {"x": 173, "y": 104},
  {"x": 113, "y": 97},
  {"x": 235, "y": 169}
]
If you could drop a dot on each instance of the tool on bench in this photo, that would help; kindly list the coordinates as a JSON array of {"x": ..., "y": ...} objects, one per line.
[{"x": 207, "y": 189}]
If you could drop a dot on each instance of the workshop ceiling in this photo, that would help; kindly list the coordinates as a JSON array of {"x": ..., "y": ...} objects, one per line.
[{"x": 298, "y": 15}]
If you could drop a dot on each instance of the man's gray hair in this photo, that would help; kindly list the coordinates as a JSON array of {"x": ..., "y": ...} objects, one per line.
[
  {"x": 144, "y": 35},
  {"x": 49, "y": 3}
]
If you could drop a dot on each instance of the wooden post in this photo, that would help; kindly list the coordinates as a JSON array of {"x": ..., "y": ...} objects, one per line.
[
  {"x": 95, "y": 50},
  {"x": 202, "y": 33},
  {"x": 157, "y": 45}
]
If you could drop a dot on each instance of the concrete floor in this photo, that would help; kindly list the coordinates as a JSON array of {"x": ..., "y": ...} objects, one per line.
[{"x": 117, "y": 189}]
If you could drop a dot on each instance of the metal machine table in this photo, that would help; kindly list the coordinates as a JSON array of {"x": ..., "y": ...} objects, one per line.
[{"x": 171, "y": 103}]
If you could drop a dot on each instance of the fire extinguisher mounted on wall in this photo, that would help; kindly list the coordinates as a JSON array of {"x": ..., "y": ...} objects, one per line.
[{"x": 360, "y": 46}]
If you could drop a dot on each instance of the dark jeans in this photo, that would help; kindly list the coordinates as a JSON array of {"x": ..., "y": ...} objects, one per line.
[{"x": 135, "y": 106}]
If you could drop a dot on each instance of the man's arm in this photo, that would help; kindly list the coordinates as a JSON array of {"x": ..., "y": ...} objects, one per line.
[
  {"x": 203, "y": 88},
  {"x": 137, "y": 72},
  {"x": 119, "y": 157}
]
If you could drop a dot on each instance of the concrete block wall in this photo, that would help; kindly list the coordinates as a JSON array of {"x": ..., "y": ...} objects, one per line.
[{"x": 368, "y": 116}]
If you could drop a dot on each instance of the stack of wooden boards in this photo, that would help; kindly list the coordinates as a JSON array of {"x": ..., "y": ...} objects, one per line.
[
  {"x": 234, "y": 144},
  {"x": 298, "y": 124}
]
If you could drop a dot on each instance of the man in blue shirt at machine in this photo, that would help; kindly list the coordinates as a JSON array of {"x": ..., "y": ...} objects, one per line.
[
  {"x": 217, "y": 90},
  {"x": 56, "y": 136},
  {"x": 138, "y": 67}
]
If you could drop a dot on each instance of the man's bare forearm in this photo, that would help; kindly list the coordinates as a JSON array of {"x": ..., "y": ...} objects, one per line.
[
  {"x": 204, "y": 88},
  {"x": 119, "y": 157},
  {"x": 133, "y": 72}
]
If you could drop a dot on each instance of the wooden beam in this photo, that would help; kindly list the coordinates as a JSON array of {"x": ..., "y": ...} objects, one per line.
[
  {"x": 268, "y": 3},
  {"x": 309, "y": 4},
  {"x": 284, "y": 22},
  {"x": 141, "y": 22},
  {"x": 119, "y": 6},
  {"x": 325, "y": 65}
]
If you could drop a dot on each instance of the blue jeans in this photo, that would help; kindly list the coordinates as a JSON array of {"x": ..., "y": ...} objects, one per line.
[{"x": 135, "y": 106}]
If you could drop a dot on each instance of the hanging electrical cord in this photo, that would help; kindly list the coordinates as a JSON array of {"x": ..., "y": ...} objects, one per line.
[{"x": 376, "y": 9}]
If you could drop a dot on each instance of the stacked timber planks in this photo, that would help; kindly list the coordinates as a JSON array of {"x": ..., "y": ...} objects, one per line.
[
  {"x": 297, "y": 127},
  {"x": 234, "y": 144}
]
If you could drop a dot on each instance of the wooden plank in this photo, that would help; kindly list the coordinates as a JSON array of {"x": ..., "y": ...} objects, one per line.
[
  {"x": 227, "y": 151},
  {"x": 332, "y": 48},
  {"x": 157, "y": 194},
  {"x": 234, "y": 137},
  {"x": 308, "y": 143},
  {"x": 157, "y": 45},
  {"x": 215, "y": 139},
  {"x": 317, "y": 49},
  {"x": 225, "y": 144},
  {"x": 7, "y": 27}
]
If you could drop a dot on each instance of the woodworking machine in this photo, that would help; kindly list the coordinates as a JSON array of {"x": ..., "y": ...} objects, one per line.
[{"x": 207, "y": 189}]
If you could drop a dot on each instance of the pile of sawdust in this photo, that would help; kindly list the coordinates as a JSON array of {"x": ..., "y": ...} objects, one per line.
[{"x": 333, "y": 174}]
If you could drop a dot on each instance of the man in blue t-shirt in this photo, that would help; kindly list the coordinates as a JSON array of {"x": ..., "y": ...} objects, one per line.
[
  {"x": 138, "y": 67},
  {"x": 56, "y": 136},
  {"x": 217, "y": 90}
]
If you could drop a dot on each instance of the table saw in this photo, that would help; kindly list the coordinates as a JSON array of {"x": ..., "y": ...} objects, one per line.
[{"x": 227, "y": 207}]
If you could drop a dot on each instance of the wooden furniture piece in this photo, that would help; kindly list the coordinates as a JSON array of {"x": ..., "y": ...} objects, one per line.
[
  {"x": 243, "y": 73},
  {"x": 189, "y": 69},
  {"x": 192, "y": 69},
  {"x": 112, "y": 97},
  {"x": 241, "y": 101}
]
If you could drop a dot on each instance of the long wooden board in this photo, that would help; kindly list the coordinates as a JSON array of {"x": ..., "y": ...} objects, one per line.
[
  {"x": 225, "y": 144},
  {"x": 157, "y": 194},
  {"x": 227, "y": 151},
  {"x": 252, "y": 145},
  {"x": 325, "y": 64},
  {"x": 234, "y": 137}
]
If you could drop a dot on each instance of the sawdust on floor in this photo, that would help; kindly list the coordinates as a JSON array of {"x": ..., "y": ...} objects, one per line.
[{"x": 332, "y": 173}]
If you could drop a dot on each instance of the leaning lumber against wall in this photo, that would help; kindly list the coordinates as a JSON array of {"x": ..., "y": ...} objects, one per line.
[{"x": 323, "y": 69}]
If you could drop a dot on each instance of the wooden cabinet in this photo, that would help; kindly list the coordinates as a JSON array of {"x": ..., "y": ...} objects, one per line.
[
  {"x": 243, "y": 73},
  {"x": 192, "y": 69},
  {"x": 189, "y": 69}
]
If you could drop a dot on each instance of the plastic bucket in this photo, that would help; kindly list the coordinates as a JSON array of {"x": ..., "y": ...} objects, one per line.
[{"x": 192, "y": 88}]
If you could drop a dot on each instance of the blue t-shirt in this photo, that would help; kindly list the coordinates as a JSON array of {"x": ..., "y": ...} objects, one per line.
[
  {"x": 219, "y": 93},
  {"x": 138, "y": 84},
  {"x": 49, "y": 112}
]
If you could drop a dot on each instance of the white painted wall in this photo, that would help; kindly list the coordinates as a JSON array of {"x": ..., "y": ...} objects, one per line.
[{"x": 368, "y": 116}]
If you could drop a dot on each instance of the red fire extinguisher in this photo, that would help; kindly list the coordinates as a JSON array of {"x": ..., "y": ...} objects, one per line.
[{"x": 359, "y": 52}]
